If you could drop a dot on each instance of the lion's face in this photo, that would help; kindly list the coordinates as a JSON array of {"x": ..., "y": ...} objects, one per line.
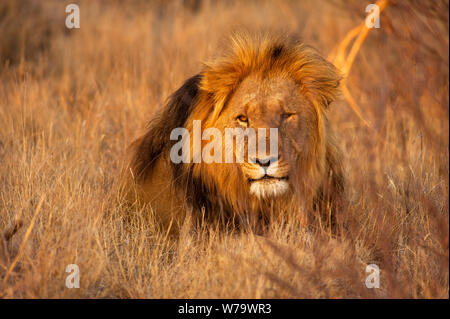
[{"x": 275, "y": 102}]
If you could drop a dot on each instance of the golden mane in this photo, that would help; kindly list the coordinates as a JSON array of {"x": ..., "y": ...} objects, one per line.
[{"x": 269, "y": 55}]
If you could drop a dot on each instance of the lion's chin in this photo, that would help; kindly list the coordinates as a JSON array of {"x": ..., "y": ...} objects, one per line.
[{"x": 268, "y": 189}]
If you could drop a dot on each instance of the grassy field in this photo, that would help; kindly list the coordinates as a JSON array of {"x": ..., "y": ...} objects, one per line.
[{"x": 72, "y": 100}]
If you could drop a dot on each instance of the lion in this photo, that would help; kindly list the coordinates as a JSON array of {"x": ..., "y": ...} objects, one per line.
[{"x": 262, "y": 81}]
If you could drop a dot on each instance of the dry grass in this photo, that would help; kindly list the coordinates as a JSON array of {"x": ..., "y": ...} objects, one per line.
[{"x": 71, "y": 101}]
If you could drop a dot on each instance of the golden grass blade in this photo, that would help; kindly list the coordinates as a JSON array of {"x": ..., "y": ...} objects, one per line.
[
  {"x": 25, "y": 239},
  {"x": 344, "y": 63}
]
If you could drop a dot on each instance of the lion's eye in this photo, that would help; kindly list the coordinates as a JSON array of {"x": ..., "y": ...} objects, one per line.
[
  {"x": 288, "y": 115},
  {"x": 242, "y": 118}
]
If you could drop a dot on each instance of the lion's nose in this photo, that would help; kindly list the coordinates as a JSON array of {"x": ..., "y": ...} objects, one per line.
[{"x": 265, "y": 162}]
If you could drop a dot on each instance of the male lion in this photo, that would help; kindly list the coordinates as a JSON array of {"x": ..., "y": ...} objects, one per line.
[{"x": 262, "y": 82}]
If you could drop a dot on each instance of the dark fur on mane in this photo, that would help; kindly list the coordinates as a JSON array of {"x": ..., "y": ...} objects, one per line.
[
  {"x": 156, "y": 142},
  {"x": 150, "y": 146}
]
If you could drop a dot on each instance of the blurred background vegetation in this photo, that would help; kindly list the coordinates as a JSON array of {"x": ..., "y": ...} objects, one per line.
[{"x": 72, "y": 100}]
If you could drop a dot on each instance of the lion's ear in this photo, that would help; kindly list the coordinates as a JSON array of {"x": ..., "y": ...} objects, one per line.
[
  {"x": 318, "y": 77},
  {"x": 333, "y": 83},
  {"x": 324, "y": 84},
  {"x": 327, "y": 83},
  {"x": 147, "y": 149}
]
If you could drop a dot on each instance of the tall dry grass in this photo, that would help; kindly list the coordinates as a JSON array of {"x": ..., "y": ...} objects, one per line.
[{"x": 71, "y": 101}]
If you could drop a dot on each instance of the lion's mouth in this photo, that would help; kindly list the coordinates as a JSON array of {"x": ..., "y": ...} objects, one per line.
[
  {"x": 268, "y": 186},
  {"x": 268, "y": 178}
]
